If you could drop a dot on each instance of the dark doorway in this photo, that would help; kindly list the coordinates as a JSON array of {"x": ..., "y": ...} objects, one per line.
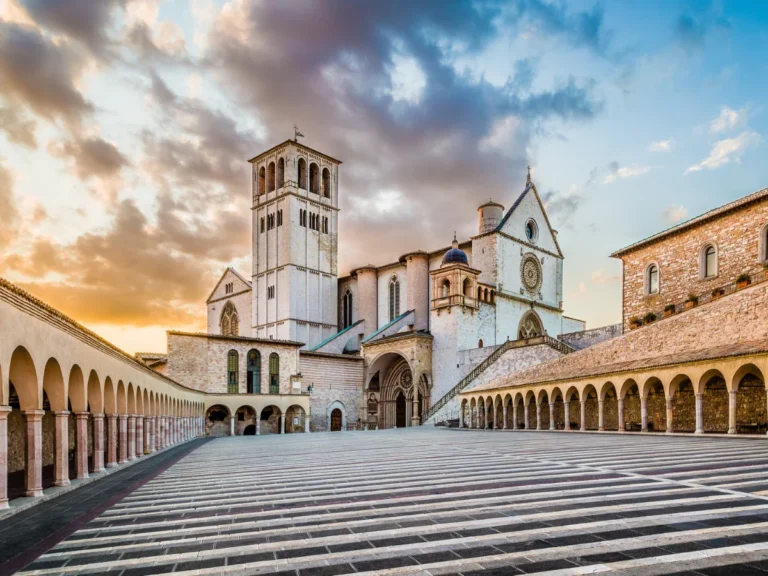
[
  {"x": 400, "y": 410},
  {"x": 249, "y": 430},
  {"x": 335, "y": 420}
]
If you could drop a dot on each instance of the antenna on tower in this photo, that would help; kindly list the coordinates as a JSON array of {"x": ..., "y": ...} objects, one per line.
[
  {"x": 528, "y": 179},
  {"x": 296, "y": 133}
]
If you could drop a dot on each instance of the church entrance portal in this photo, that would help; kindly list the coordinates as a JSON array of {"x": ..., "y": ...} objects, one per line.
[
  {"x": 400, "y": 418},
  {"x": 336, "y": 420}
]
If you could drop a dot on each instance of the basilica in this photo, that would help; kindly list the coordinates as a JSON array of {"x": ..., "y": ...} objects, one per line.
[{"x": 390, "y": 344}]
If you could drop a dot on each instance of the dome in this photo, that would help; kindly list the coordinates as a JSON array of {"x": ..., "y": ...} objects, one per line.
[{"x": 455, "y": 255}]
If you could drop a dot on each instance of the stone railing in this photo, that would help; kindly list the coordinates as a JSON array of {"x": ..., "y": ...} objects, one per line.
[{"x": 455, "y": 299}]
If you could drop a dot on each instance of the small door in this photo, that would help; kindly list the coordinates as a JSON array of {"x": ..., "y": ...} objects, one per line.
[
  {"x": 400, "y": 410},
  {"x": 336, "y": 420}
]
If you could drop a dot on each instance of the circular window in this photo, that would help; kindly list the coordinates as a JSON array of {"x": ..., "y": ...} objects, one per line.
[
  {"x": 531, "y": 273},
  {"x": 531, "y": 230}
]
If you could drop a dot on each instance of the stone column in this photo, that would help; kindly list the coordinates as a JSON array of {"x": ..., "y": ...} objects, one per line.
[
  {"x": 669, "y": 415},
  {"x": 567, "y": 410},
  {"x": 98, "y": 442},
  {"x": 600, "y": 419},
  {"x": 153, "y": 434},
  {"x": 122, "y": 423},
  {"x": 504, "y": 417},
  {"x": 34, "y": 452},
  {"x": 583, "y": 423},
  {"x": 621, "y": 414},
  {"x": 81, "y": 444},
  {"x": 551, "y": 415},
  {"x": 514, "y": 417},
  {"x": 306, "y": 423},
  {"x": 178, "y": 429},
  {"x": 699, "y": 414},
  {"x": 232, "y": 426},
  {"x": 732, "y": 411},
  {"x": 61, "y": 448},
  {"x": 258, "y": 425},
  {"x": 4, "y": 411},
  {"x": 538, "y": 416},
  {"x": 415, "y": 410},
  {"x": 526, "y": 418},
  {"x": 282, "y": 423},
  {"x": 139, "y": 436},
  {"x": 131, "y": 437},
  {"x": 112, "y": 434},
  {"x": 643, "y": 414}
]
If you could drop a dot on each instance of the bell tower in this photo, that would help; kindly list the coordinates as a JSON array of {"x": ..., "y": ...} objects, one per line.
[{"x": 295, "y": 243}]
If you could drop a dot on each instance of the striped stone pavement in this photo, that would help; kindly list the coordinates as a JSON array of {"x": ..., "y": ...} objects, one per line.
[{"x": 430, "y": 501}]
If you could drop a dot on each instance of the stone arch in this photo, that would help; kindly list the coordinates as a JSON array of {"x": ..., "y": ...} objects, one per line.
[
  {"x": 542, "y": 409},
  {"x": 302, "y": 173},
  {"x": 530, "y": 326},
  {"x": 280, "y": 173},
  {"x": 464, "y": 412},
  {"x": 558, "y": 412},
  {"x": 481, "y": 413},
  {"x": 121, "y": 398},
  {"x": 714, "y": 401},
  {"x": 217, "y": 420},
  {"x": 326, "y": 183},
  {"x": 507, "y": 403},
  {"x": 682, "y": 393},
  {"x": 269, "y": 419},
  {"x": 655, "y": 404},
  {"x": 22, "y": 374},
  {"x": 262, "y": 178},
  {"x": 76, "y": 391},
  {"x": 131, "y": 399},
  {"x": 95, "y": 393},
  {"x": 139, "y": 400},
  {"x": 749, "y": 385},
  {"x": 245, "y": 419},
  {"x": 610, "y": 398},
  {"x": 629, "y": 394},
  {"x": 271, "y": 177},
  {"x": 295, "y": 417},
  {"x": 314, "y": 178},
  {"x": 591, "y": 406},
  {"x": 473, "y": 413},
  {"x": 53, "y": 385},
  {"x": 572, "y": 399}
]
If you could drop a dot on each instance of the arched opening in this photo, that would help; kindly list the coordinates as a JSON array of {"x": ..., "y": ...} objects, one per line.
[
  {"x": 750, "y": 400},
  {"x": 217, "y": 421},
  {"x": 708, "y": 261},
  {"x": 610, "y": 407},
  {"x": 230, "y": 321},
  {"x": 558, "y": 409},
  {"x": 652, "y": 279},
  {"x": 294, "y": 420},
  {"x": 233, "y": 386},
  {"x": 262, "y": 181},
  {"x": 479, "y": 293},
  {"x": 302, "y": 173},
  {"x": 467, "y": 288},
  {"x": 280, "y": 173},
  {"x": 520, "y": 412},
  {"x": 446, "y": 289},
  {"x": 683, "y": 404},
  {"x": 249, "y": 430},
  {"x": 656, "y": 406},
  {"x": 274, "y": 373},
  {"x": 574, "y": 408},
  {"x": 591, "y": 409},
  {"x": 336, "y": 420},
  {"x": 530, "y": 326},
  {"x": 715, "y": 402},
  {"x": 543, "y": 409},
  {"x": 244, "y": 416},
  {"x": 465, "y": 413},
  {"x": 326, "y": 183},
  {"x": 347, "y": 309},
  {"x": 530, "y": 412},
  {"x": 314, "y": 178},
  {"x": 254, "y": 372},
  {"x": 271, "y": 177},
  {"x": 632, "y": 409},
  {"x": 400, "y": 406},
  {"x": 270, "y": 420},
  {"x": 480, "y": 343}
]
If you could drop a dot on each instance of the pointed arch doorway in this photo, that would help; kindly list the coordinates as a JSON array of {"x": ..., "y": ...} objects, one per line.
[{"x": 400, "y": 415}]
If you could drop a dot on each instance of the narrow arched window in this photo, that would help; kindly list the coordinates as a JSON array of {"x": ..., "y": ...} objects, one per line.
[
  {"x": 394, "y": 298},
  {"x": 314, "y": 178},
  {"x": 479, "y": 293},
  {"x": 467, "y": 288},
  {"x": 652, "y": 282},
  {"x": 480, "y": 343},
  {"x": 230, "y": 321},
  {"x": 302, "y": 173},
  {"x": 254, "y": 372},
  {"x": 274, "y": 373},
  {"x": 271, "y": 177},
  {"x": 326, "y": 183},
  {"x": 232, "y": 361},
  {"x": 280, "y": 173},
  {"x": 347, "y": 308},
  {"x": 446, "y": 289},
  {"x": 709, "y": 262},
  {"x": 262, "y": 178}
]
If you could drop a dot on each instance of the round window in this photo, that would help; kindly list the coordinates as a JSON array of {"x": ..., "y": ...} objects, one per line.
[{"x": 531, "y": 230}]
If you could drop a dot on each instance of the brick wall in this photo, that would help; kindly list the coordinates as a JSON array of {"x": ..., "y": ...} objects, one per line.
[
  {"x": 333, "y": 379},
  {"x": 736, "y": 237}
]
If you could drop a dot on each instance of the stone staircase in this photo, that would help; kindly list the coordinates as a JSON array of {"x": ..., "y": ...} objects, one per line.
[{"x": 485, "y": 364}]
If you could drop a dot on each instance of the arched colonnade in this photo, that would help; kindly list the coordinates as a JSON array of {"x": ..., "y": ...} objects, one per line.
[
  {"x": 726, "y": 396},
  {"x": 241, "y": 415}
]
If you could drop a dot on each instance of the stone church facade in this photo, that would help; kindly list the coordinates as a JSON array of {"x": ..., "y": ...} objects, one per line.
[{"x": 379, "y": 347}]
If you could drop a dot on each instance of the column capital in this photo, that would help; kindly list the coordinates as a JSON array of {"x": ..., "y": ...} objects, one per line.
[
  {"x": 99, "y": 415},
  {"x": 61, "y": 412},
  {"x": 81, "y": 415},
  {"x": 4, "y": 411},
  {"x": 122, "y": 416},
  {"x": 33, "y": 415}
]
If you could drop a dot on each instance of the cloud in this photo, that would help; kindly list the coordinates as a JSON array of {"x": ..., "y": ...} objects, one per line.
[
  {"x": 726, "y": 151},
  {"x": 561, "y": 207},
  {"x": 624, "y": 172},
  {"x": 91, "y": 157},
  {"x": 728, "y": 120},
  {"x": 17, "y": 127},
  {"x": 600, "y": 277},
  {"x": 675, "y": 214},
  {"x": 692, "y": 28},
  {"x": 9, "y": 214},
  {"x": 37, "y": 73},
  {"x": 661, "y": 145}
]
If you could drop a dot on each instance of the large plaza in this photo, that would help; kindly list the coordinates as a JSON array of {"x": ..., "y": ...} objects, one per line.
[{"x": 432, "y": 501}]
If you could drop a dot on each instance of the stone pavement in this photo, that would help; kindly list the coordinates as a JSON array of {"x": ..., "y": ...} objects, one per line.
[{"x": 427, "y": 501}]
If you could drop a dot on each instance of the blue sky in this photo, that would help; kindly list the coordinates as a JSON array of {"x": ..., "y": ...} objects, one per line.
[{"x": 125, "y": 127}]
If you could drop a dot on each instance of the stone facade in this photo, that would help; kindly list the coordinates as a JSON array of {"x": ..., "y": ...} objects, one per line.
[
  {"x": 335, "y": 381},
  {"x": 587, "y": 338},
  {"x": 738, "y": 236}
]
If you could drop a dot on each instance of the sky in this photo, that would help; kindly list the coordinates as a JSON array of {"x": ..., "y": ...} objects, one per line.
[{"x": 126, "y": 126}]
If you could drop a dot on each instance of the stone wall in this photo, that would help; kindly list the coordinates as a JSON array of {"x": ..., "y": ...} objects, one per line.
[
  {"x": 735, "y": 236},
  {"x": 334, "y": 378},
  {"x": 587, "y": 338}
]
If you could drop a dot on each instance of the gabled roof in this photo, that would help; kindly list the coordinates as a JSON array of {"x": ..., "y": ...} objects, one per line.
[
  {"x": 530, "y": 187},
  {"x": 236, "y": 273},
  {"x": 700, "y": 219}
]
